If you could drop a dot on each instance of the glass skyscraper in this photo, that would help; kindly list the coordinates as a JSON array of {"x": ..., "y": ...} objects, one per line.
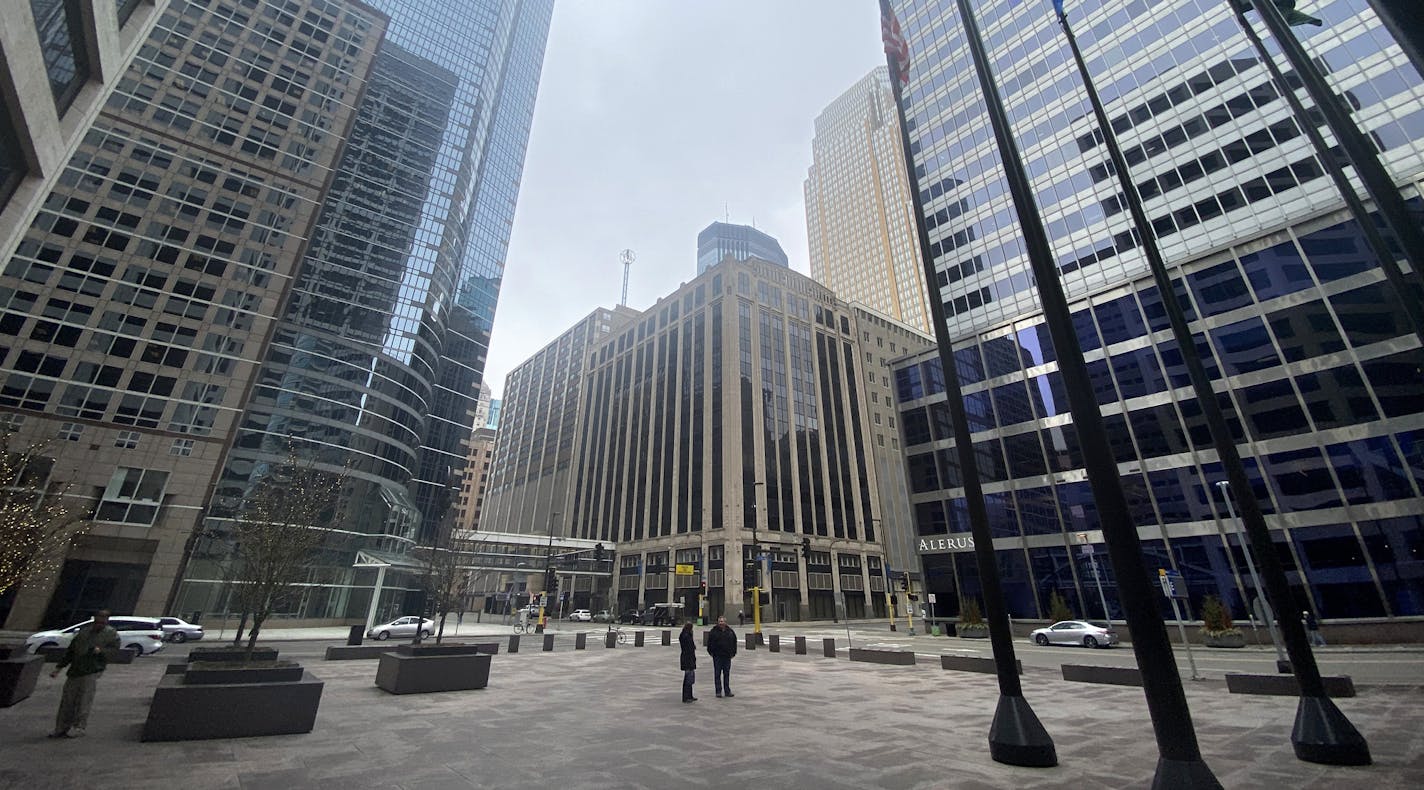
[
  {"x": 742, "y": 242},
  {"x": 1304, "y": 339},
  {"x": 376, "y": 363}
]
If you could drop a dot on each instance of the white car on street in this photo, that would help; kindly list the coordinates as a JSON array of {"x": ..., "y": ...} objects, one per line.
[
  {"x": 402, "y": 626},
  {"x": 583, "y": 615},
  {"x": 140, "y": 635},
  {"x": 1094, "y": 633}
]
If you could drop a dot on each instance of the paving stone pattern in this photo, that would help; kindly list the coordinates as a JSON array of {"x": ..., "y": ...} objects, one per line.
[{"x": 613, "y": 719}]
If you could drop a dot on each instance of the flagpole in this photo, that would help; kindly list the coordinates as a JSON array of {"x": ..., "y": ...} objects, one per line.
[
  {"x": 1016, "y": 736},
  {"x": 1322, "y": 734},
  {"x": 1180, "y": 763},
  {"x": 1400, "y": 221}
]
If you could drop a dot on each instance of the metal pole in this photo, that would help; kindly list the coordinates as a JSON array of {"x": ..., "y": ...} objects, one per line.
[
  {"x": 1322, "y": 733},
  {"x": 1182, "y": 629},
  {"x": 1180, "y": 763},
  {"x": 1358, "y": 151},
  {"x": 1016, "y": 736},
  {"x": 756, "y": 557},
  {"x": 1097, "y": 580},
  {"x": 1282, "y": 665}
]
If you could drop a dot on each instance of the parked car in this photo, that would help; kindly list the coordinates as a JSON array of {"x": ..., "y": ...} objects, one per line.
[
  {"x": 176, "y": 629},
  {"x": 631, "y": 617},
  {"x": 582, "y": 615},
  {"x": 1076, "y": 632},
  {"x": 139, "y": 635},
  {"x": 603, "y": 616},
  {"x": 402, "y": 626}
]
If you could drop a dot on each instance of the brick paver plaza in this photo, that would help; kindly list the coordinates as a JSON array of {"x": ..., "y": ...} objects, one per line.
[{"x": 612, "y": 718}]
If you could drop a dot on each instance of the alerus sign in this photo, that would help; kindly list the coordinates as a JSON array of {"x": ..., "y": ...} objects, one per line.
[{"x": 957, "y": 543}]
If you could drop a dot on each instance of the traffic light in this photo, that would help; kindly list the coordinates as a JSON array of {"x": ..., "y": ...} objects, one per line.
[
  {"x": 549, "y": 580},
  {"x": 598, "y": 552},
  {"x": 749, "y": 574},
  {"x": 553, "y": 584},
  {"x": 905, "y": 583},
  {"x": 702, "y": 589},
  {"x": 806, "y": 549}
]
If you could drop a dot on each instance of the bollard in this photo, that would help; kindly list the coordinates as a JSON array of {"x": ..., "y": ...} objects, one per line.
[
  {"x": 667, "y": 637},
  {"x": 828, "y": 648},
  {"x": 580, "y": 641},
  {"x": 353, "y": 638},
  {"x": 513, "y": 644},
  {"x": 638, "y": 639},
  {"x": 800, "y": 645},
  {"x": 751, "y": 641},
  {"x": 610, "y": 639},
  {"x": 761, "y": 639},
  {"x": 775, "y": 643},
  {"x": 548, "y": 643}
]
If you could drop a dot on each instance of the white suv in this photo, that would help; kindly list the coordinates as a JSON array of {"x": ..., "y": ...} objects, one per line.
[
  {"x": 581, "y": 614},
  {"x": 141, "y": 635}
]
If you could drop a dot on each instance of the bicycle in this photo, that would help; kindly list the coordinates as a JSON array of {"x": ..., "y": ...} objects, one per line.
[
  {"x": 622, "y": 636},
  {"x": 525, "y": 628}
]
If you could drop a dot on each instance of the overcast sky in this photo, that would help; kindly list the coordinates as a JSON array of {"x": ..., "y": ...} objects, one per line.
[{"x": 655, "y": 118}]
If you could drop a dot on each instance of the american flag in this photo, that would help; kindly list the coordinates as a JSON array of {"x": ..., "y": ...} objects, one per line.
[{"x": 895, "y": 45}]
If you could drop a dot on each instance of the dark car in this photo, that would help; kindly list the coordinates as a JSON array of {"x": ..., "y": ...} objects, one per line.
[{"x": 631, "y": 617}]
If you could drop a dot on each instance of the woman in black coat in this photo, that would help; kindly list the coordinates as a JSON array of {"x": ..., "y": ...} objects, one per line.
[{"x": 688, "y": 661}]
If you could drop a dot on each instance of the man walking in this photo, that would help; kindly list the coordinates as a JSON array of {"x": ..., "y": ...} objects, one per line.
[
  {"x": 722, "y": 645},
  {"x": 86, "y": 660},
  {"x": 1312, "y": 629}
]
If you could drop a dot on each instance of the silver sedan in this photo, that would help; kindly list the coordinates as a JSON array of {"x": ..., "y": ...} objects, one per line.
[
  {"x": 402, "y": 626},
  {"x": 1076, "y": 632}
]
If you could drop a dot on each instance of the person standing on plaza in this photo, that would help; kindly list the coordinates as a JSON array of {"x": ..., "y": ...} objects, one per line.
[
  {"x": 1312, "y": 629},
  {"x": 86, "y": 661},
  {"x": 741, "y": 617},
  {"x": 688, "y": 661},
  {"x": 722, "y": 646}
]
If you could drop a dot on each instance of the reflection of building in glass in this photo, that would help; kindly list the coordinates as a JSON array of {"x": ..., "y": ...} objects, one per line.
[
  {"x": 720, "y": 240},
  {"x": 859, "y": 219},
  {"x": 1292, "y": 313}
]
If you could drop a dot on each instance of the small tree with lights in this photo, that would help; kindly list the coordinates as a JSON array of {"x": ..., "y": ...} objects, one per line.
[
  {"x": 36, "y": 521},
  {"x": 277, "y": 532}
]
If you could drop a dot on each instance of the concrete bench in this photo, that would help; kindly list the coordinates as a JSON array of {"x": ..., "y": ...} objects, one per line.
[
  {"x": 1285, "y": 685},
  {"x": 896, "y": 657},
  {"x": 1113, "y": 676},
  {"x": 973, "y": 664},
  {"x": 352, "y": 652}
]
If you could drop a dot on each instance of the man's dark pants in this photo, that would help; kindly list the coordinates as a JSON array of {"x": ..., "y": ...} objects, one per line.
[{"x": 722, "y": 674}]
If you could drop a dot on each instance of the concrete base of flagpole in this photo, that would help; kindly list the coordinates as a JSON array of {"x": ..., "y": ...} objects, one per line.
[
  {"x": 1184, "y": 775},
  {"x": 1017, "y": 737},
  {"x": 1323, "y": 735}
]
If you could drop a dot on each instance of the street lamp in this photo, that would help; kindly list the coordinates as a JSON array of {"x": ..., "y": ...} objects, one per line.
[
  {"x": 756, "y": 557},
  {"x": 548, "y": 575}
]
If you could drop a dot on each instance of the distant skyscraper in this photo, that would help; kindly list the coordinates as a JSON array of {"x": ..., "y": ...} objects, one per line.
[
  {"x": 742, "y": 242},
  {"x": 496, "y": 406},
  {"x": 859, "y": 221}
]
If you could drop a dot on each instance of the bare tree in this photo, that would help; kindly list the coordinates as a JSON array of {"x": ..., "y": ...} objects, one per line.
[
  {"x": 444, "y": 584},
  {"x": 276, "y": 534},
  {"x": 36, "y": 522}
]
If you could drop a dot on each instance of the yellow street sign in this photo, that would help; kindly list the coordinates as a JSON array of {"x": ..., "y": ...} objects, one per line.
[{"x": 687, "y": 570}]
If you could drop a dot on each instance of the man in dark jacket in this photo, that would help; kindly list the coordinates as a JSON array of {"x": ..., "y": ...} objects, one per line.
[
  {"x": 86, "y": 660},
  {"x": 722, "y": 645},
  {"x": 688, "y": 661}
]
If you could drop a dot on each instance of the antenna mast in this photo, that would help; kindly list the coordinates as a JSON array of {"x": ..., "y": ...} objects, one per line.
[{"x": 626, "y": 258}]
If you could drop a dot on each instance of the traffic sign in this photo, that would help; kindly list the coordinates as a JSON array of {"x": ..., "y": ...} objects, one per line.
[
  {"x": 932, "y": 597},
  {"x": 1172, "y": 585},
  {"x": 686, "y": 570}
]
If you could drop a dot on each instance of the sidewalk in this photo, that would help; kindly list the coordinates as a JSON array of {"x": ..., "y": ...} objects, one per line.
[{"x": 602, "y": 718}]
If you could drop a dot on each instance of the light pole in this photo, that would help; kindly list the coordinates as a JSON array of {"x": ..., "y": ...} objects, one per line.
[
  {"x": 548, "y": 575},
  {"x": 1097, "y": 580},
  {"x": 1282, "y": 665},
  {"x": 756, "y": 557}
]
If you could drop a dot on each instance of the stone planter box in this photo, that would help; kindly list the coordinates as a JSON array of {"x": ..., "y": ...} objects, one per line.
[
  {"x": 1285, "y": 685},
  {"x": 895, "y": 657},
  {"x": 207, "y": 673},
  {"x": 232, "y": 654},
  {"x": 973, "y": 664},
  {"x": 446, "y": 649},
  {"x": 19, "y": 672},
  {"x": 419, "y": 674},
  {"x": 968, "y": 632},
  {"x": 1237, "y": 639},
  {"x": 1113, "y": 676},
  {"x": 350, "y": 652},
  {"x": 186, "y": 712}
]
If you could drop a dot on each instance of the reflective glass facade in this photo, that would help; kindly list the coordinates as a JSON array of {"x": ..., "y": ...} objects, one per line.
[
  {"x": 1288, "y": 305},
  {"x": 720, "y": 239}
]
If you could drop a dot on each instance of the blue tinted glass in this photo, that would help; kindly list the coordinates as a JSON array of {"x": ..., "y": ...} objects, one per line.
[
  {"x": 1412, "y": 443},
  {"x": 1245, "y": 346},
  {"x": 1075, "y": 501},
  {"x": 1061, "y": 444},
  {"x": 1087, "y": 333},
  {"x": 929, "y": 519},
  {"x": 1272, "y": 410},
  {"x": 1139, "y": 503},
  {"x": 968, "y": 365},
  {"x": 958, "y": 511},
  {"x": 916, "y": 425},
  {"x": 1369, "y": 314},
  {"x": 1001, "y": 356},
  {"x": 1213, "y": 473},
  {"x": 949, "y": 476},
  {"x": 979, "y": 412},
  {"x": 1276, "y": 271},
  {"x": 1003, "y": 516},
  {"x": 1119, "y": 438},
  {"x": 1102, "y": 381},
  {"x": 1396, "y": 545},
  {"x": 1370, "y": 471},
  {"x": 1196, "y": 426},
  {"x": 1053, "y": 573},
  {"x": 907, "y": 384},
  {"x": 1333, "y": 561},
  {"x": 989, "y": 457},
  {"x": 1038, "y": 512},
  {"x": 1301, "y": 480},
  {"x": 940, "y": 422},
  {"x": 1306, "y": 330},
  {"x": 1171, "y": 489},
  {"x": 1035, "y": 345},
  {"x": 1158, "y": 430},
  {"x": 1156, "y": 313},
  {"x": 1397, "y": 381},
  {"x": 1336, "y": 397},
  {"x": 1120, "y": 320},
  {"x": 923, "y": 474},
  {"x": 1046, "y": 402},
  {"x": 933, "y": 374},
  {"x": 1138, "y": 373},
  {"x": 1337, "y": 251},
  {"x": 1219, "y": 288},
  {"x": 1011, "y": 404},
  {"x": 1177, "y": 370},
  {"x": 1024, "y": 455}
]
